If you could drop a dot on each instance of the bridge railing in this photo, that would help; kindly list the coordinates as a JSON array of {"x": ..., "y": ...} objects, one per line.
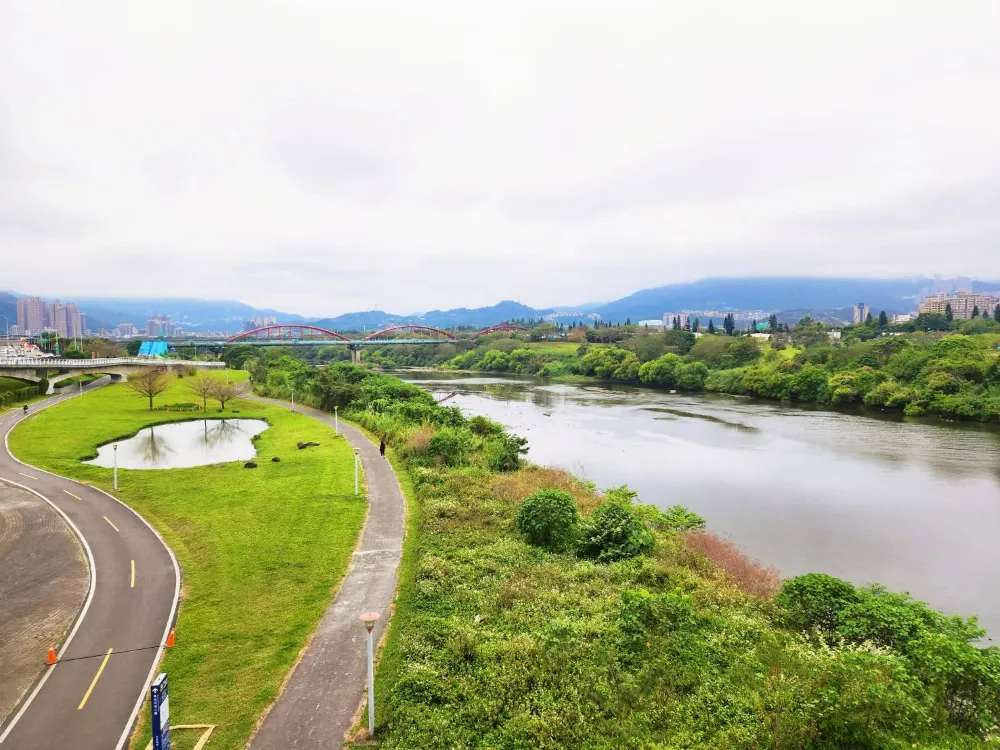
[{"x": 53, "y": 363}]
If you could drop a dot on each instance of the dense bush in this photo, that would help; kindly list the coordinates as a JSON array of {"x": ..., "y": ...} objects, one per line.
[
  {"x": 614, "y": 532},
  {"x": 814, "y": 601},
  {"x": 956, "y": 678},
  {"x": 549, "y": 519}
]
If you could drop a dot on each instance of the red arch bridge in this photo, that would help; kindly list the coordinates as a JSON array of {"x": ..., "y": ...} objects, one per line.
[{"x": 302, "y": 334}]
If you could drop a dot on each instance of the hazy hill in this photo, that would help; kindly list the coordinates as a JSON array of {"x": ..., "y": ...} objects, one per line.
[
  {"x": 190, "y": 314},
  {"x": 479, "y": 317},
  {"x": 8, "y": 309}
]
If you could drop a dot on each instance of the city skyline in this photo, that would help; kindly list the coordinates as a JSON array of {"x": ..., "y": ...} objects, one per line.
[{"x": 35, "y": 316}]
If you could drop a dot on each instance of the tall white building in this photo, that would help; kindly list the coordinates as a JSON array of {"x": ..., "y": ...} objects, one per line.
[{"x": 861, "y": 312}]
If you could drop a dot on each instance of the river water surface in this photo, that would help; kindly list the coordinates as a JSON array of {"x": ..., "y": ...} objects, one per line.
[{"x": 913, "y": 506}]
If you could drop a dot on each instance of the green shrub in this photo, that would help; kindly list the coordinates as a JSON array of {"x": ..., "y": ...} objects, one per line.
[
  {"x": 453, "y": 445},
  {"x": 614, "y": 532},
  {"x": 503, "y": 452},
  {"x": 679, "y": 518},
  {"x": 814, "y": 601},
  {"x": 549, "y": 519},
  {"x": 185, "y": 406},
  {"x": 643, "y": 616}
]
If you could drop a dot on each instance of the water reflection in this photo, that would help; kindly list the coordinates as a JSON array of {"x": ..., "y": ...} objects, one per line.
[
  {"x": 184, "y": 444},
  {"x": 913, "y": 505}
]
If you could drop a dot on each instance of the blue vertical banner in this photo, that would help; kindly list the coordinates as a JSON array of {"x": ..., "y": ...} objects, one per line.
[{"x": 159, "y": 700}]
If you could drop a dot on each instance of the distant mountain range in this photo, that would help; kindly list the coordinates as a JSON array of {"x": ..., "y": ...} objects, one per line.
[
  {"x": 791, "y": 298},
  {"x": 478, "y": 317}
]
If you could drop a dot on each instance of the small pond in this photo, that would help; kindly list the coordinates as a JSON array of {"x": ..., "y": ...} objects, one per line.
[{"x": 182, "y": 445}]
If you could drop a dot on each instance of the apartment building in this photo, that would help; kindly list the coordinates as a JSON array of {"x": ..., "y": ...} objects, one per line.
[{"x": 962, "y": 304}]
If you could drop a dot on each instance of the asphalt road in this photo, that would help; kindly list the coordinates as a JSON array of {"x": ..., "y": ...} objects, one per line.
[{"x": 90, "y": 699}]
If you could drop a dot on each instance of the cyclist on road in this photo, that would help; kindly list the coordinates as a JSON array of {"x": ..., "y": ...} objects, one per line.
[{"x": 25, "y": 408}]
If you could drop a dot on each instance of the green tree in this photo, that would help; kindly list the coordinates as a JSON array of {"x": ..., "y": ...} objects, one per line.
[
  {"x": 975, "y": 311},
  {"x": 694, "y": 325},
  {"x": 996, "y": 313},
  {"x": 729, "y": 324},
  {"x": 868, "y": 319},
  {"x": 711, "y": 325},
  {"x": 883, "y": 320},
  {"x": 948, "y": 314},
  {"x": 772, "y": 323}
]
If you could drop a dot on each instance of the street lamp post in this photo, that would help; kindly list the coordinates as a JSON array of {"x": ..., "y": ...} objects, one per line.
[
  {"x": 369, "y": 619},
  {"x": 293, "y": 399},
  {"x": 336, "y": 419},
  {"x": 355, "y": 471},
  {"x": 115, "y": 446}
]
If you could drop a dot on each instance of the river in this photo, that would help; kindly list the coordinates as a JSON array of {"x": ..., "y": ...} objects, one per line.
[{"x": 913, "y": 506}]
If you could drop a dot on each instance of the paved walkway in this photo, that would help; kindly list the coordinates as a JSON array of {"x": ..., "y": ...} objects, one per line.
[{"x": 316, "y": 707}]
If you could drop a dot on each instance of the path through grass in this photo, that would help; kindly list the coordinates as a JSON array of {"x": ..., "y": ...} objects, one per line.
[{"x": 261, "y": 550}]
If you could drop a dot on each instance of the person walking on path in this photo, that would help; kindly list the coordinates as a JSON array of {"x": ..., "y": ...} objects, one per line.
[{"x": 381, "y": 447}]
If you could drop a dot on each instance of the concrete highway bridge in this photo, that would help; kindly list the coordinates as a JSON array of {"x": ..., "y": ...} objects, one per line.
[
  {"x": 35, "y": 369},
  {"x": 307, "y": 335}
]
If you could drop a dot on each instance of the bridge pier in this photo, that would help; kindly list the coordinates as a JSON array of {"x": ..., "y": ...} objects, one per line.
[{"x": 355, "y": 355}]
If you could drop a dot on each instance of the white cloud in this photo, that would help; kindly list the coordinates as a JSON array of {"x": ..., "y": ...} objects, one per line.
[{"x": 327, "y": 156}]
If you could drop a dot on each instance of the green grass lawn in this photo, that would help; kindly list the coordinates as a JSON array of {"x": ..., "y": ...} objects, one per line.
[
  {"x": 260, "y": 550},
  {"x": 13, "y": 384},
  {"x": 85, "y": 378}
]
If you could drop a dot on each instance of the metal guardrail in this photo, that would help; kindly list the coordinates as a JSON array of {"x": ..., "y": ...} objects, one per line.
[{"x": 54, "y": 363}]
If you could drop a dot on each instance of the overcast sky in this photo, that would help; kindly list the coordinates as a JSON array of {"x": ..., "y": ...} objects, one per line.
[{"x": 318, "y": 158}]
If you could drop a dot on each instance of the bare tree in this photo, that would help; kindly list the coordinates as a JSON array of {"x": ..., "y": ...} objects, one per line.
[
  {"x": 224, "y": 391},
  {"x": 150, "y": 384},
  {"x": 204, "y": 387}
]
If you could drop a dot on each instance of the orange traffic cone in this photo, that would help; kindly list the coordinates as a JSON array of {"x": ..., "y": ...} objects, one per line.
[
  {"x": 52, "y": 656},
  {"x": 170, "y": 638}
]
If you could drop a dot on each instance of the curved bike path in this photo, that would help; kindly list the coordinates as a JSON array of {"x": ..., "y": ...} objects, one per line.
[
  {"x": 317, "y": 705},
  {"x": 89, "y": 700}
]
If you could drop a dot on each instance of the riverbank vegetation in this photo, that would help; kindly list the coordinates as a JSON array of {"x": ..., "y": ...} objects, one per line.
[
  {"x": 537, "y": 611},
  {"x": 925, "y": 367},
  {"x": 261, "y": 550}
]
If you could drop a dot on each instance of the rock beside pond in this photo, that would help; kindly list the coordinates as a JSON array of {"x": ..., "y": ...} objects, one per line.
[
  {"x": 307, "y": 445},
  {"x": 250, "y": 465},
  {"x": 276, "y": 459}
]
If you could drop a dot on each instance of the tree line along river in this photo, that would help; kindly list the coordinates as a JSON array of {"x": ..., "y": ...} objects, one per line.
[{"x": 914, "y": 506}]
